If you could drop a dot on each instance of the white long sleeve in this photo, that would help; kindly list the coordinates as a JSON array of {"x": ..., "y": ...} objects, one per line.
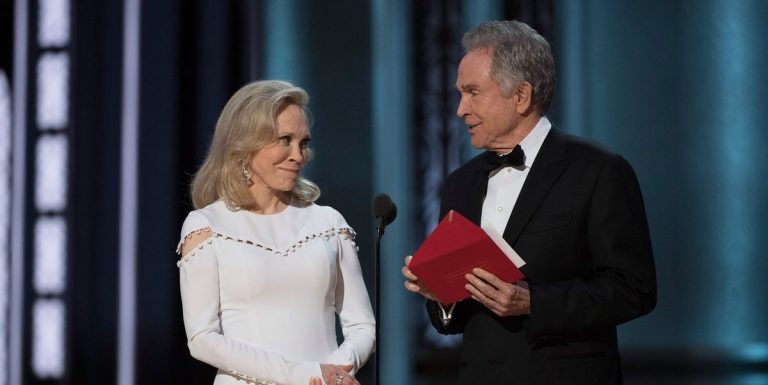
[
  {"x": 354, "y": 307},
  {"x": 260, "y": 295},
  {"x": 199, "y": 284}
]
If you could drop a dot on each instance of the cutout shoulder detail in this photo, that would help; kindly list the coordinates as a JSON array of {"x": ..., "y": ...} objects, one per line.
[
  {"x": 198, "y": 238},
  {"x": 193, "y": 239}
]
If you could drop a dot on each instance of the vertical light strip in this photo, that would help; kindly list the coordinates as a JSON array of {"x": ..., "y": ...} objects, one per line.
[
  {"x": 570, "y": 59},
  {"x": 16, "y": 321},
  {"x": 392, "y": 128},
  {"x": 283, "y": 43},
  {"x": 51, "y": 170},
  {"x": 5, "y": 220},
  {"x": 53, "y": 91},
  {"x": 129, "y": 194},
  {"x": 732, "y": 63},
  {"x": 48, "y": 328},
  {"x": 475, "y": 12},
  {"x": 54, "y": 22},
  {"x": 478, "y": 11},
  {"x": 50, "y": 256}
]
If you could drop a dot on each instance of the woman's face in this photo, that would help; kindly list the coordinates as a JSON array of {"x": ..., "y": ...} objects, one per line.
[{"x": 276, "y": 166}]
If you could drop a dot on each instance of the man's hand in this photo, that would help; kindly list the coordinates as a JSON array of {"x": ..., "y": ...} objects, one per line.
[
  {"x": 412, "y": 282},
  {"x": 502, "y": 298}
]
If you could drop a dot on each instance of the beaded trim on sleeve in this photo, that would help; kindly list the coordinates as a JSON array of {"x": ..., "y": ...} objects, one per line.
[
  {"x": 346, "y": 233},
  {"x": 251, "y": 380}
]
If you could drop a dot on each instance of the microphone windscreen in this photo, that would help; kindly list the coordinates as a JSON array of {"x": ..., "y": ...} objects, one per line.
[{"x": 384, "y": 207}]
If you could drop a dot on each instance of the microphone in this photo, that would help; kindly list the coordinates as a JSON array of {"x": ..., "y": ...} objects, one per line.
[{"x": 384, "y": 210}]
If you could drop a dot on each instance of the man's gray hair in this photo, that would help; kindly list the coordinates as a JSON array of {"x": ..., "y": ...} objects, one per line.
[{"x": 520, "y": 55}]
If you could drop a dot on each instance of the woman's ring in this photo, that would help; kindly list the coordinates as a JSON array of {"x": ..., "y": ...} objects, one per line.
[{"x": 339, "y": 379}]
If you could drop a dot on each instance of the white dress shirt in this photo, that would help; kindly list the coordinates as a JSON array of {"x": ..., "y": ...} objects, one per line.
[{"x": 505, "y": 183}]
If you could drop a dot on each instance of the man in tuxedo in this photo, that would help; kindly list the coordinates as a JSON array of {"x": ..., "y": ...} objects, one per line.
[{"x": 572, "y": 209}]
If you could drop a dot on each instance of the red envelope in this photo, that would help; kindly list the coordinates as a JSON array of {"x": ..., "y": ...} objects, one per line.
[{"x": 454, "y": 248}]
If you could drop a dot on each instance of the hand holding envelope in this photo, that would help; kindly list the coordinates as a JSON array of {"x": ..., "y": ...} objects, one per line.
[
  {"x": 457, "y": 247},
  {"x": 412, "y": 282}
]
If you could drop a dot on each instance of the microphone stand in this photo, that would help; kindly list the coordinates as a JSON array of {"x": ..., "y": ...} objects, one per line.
[
  {"x": 385, "y": 212},
  {"x": 377, "y": 299}
]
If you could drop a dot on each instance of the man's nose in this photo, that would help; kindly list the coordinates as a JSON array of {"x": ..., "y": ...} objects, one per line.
[{"x": 463, "y": 108}]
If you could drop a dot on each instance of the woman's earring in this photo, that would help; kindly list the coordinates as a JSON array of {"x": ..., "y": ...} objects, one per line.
[{"x": 245, "y": 175}]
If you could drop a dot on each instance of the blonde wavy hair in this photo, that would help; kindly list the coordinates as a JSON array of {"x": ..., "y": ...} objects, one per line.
[{"x": 247, "y": 123}]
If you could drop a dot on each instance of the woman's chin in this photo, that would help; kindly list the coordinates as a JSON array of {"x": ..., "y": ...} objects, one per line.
[{"x": 288, "y": 186}]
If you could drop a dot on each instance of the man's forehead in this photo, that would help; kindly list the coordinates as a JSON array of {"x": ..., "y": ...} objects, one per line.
[{"x": 473, "y": 71}]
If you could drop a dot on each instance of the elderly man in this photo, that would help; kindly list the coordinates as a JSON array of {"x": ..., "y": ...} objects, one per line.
[{"x": 572, "y": 210}]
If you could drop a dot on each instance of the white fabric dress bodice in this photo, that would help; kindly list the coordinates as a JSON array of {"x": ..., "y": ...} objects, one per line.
[{"x": 260, "y": 295}]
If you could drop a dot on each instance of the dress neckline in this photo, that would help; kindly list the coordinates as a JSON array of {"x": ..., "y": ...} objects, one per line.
[{"x": 280, "y": 213}]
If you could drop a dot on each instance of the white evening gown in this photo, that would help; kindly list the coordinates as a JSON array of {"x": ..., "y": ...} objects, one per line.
[{"x": 260, "y": 294}]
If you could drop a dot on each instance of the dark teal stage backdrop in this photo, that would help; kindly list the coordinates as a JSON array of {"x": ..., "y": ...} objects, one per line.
[
  {"x": 674, "y": 86},
  {"x": 679, "y": 87}
]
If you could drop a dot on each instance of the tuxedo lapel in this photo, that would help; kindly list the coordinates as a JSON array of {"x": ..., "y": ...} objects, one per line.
[{"x": 547, "y": 168}]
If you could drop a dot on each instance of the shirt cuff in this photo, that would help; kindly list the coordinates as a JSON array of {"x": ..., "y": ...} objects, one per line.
[{"x": 445, "y": 315}]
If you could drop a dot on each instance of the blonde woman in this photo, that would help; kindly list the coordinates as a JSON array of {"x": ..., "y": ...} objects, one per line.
[{"x": 264, "y": 270}]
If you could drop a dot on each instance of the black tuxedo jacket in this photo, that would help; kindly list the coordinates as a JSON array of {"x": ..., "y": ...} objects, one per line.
[{"x": 580, "y": 225}]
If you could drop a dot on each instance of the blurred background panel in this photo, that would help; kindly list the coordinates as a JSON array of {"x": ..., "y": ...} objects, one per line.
[{"x": 107, "y": 109}]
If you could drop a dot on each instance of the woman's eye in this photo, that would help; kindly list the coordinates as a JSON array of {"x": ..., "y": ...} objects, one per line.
[
  {"x": 304, "y": 144},
  {"x": 284, "y": 140}
]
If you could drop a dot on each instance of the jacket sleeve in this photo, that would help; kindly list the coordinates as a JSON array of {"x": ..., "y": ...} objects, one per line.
[
  {"x": 464, "y": 310},
  {"x": 458, "y": 321},
  {"x": 622, "y": 285}
]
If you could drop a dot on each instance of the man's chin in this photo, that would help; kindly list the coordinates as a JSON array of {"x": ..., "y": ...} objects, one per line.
[{"x": 476, "y": 144}]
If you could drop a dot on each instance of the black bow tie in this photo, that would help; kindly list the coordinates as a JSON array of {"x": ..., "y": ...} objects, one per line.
[{"x": 492, "y": 160}]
